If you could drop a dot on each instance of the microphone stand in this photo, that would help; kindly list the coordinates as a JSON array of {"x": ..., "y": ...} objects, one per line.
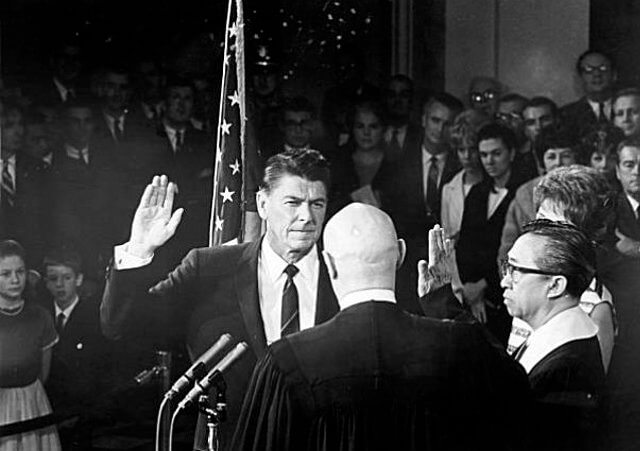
[{"x": 215, "y": 414}]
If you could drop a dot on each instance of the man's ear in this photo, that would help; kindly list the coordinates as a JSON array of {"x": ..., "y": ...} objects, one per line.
[
  {"x": 331, "y": 266},
  {"x": 79, "y": 279},
  {"x": 557, "y": 287},
  {"x": 402, "y": 252},
  {"x": 513, "y": 154},
  {"x": 261, "y": 202}
]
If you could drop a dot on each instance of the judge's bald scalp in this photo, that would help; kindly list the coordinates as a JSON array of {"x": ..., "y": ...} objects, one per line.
[{"x": 363, "y": 233}]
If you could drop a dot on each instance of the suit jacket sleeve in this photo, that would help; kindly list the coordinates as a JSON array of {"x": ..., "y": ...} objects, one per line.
[
  {"x": 126, "y": 291},
  {"x": 443, "y": 304}
]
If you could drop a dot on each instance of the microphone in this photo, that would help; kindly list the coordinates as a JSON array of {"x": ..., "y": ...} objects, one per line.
[
  {"x": 214, "y": 375},
  {"x": 199, "y": 367}
]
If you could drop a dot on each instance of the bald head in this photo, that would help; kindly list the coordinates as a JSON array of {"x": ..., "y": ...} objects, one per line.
[{"x": 362, "y": 249}]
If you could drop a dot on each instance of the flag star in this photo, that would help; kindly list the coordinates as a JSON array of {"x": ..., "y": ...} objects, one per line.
[
  {"x": 219, "y": 223},
  {"x": 227, "y": 195},
  {"x": 226, "y": 126},
  {"x": 235, "y": 167},
  {"x": 233, "y": 31},
  {"x": 235, "y": 98}
]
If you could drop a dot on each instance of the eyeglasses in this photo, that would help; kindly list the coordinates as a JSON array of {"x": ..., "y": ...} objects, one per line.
[
  {"x": 507, "y": 269},
  {"x": 508, "y": 117},
  {"x": 478, "y": 97},
  {"x": 603, "y": 68}
]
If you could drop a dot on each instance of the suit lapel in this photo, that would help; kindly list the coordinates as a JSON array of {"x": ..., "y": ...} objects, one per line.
[{"x": 246, "y": 285}]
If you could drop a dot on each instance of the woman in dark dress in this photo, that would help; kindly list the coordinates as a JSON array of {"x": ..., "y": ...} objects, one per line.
[{"x": 358, "y": 167}]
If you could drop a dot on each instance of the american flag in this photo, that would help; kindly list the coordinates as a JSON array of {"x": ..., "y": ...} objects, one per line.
[{"x": 226, "y": 223}]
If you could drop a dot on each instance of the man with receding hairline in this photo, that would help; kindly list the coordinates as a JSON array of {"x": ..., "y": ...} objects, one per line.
[{"x": 376, "y": 377}]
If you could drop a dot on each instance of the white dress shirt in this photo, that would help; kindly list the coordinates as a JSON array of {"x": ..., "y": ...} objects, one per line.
[
  {"x": 496, "y": 196},
  {"x": 634, "y": 205},
  {"x": 67, "y": 311},
  {"x": 374, "y": 294},
  {"x": 172, "y": 134},
  {"x": 595, "y": 106},
  {"x": 62, "y": 89},
  {"x": 271, "y": 280},
  {"x": 113, "y": 122},
  {"x": 77, "y": 154},
  {"x": 400, "y": 133}
]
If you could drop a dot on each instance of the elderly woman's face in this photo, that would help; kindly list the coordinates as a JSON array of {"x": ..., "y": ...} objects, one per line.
[{"x": 368, "y": 131}]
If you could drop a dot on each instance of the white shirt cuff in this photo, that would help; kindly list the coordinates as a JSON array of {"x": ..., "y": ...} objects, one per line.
[{"x": 124, "y": 260}]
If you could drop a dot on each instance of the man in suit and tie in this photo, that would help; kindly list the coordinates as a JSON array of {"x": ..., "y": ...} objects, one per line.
[
  {"x": 598, "y": 75},
  {"x": 188, "y": 161},
  {"x": 413, "y": 193},
  {"x": 23, "y": 188},
  {"x": 375, "y": 377},
  {"x": 401, "y": 135},
  {"x": 628, "y": 214},
  {"x": 256, "y": 291},
  {"x": 81, "y": 177}
]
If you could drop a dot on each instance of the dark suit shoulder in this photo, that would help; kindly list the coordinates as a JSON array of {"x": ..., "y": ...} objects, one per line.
[{"x": 218, "y": 259}]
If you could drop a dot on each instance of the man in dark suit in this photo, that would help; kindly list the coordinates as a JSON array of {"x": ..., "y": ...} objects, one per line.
[
  {"x": 187, "y": 160},
  {"x": 63, "y": 83},
  {"x": 402, "y": 135},
  {"x": 129, "y": 140},
  {"x": 393, "y": 380},
  {"x": 413, "y": 192},
  {"x": 628, "y": 222},
  {"x": 256, "y": 291},
  {"x": 598, "y": 75},
  {"x": 624, "y": 384},
  {"x": 81, "y": 363},
  {"x": 297, "y": 124},
  {"x": 24, "y": 191},
  {"x": 80, "y": 180}
]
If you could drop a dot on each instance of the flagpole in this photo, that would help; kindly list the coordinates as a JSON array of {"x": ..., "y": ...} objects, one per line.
[
  {"x": 218, "y": 158},
  {"x": 240, "y": 71}
]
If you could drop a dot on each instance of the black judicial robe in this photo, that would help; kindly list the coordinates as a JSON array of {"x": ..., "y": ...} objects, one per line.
[{"x": 378, "y": 378}]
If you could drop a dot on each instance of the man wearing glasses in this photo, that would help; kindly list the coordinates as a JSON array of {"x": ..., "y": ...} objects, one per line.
[
  {"x": 598, "y": 75},
  {"x": 547, "y": 270}
]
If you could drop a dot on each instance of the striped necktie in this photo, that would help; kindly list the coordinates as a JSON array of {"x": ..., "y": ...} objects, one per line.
[
  {"x": 289, "y": 319},
  {"x": 8, "y": 186}
]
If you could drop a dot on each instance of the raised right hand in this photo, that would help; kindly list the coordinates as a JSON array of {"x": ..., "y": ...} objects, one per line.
[
  {"x": 153, "y": 223},
  {"x": 438, "y": 271}
]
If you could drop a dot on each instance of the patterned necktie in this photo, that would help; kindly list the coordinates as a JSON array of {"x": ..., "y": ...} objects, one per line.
[
  {"x": 432, "y": 186},
  {"x": 60, "y": 322},
  {"x": 8, "y": 186},
  {"x": 290, "y": 321}
]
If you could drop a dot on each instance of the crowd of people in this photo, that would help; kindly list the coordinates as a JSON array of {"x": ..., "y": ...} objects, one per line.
[{"x": 76, "y": 157}]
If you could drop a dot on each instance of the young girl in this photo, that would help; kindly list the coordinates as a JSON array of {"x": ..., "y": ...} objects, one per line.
[{"x": 27, "y": 335}]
